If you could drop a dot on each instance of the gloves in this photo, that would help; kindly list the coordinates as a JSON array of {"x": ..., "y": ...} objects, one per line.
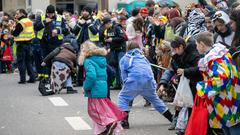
[
  {"x": 89, "y": 21},
  {"x": 82, "y": 21}
]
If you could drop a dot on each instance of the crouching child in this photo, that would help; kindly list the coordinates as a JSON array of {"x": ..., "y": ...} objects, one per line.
[
  {"x": 138, "y": 79},
  {"x": 63, "y": 60}
]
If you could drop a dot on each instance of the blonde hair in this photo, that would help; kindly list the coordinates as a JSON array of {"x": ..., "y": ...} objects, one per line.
[
  {"x": 132, "y": 45},
  {"x": 88, "y": 48}
]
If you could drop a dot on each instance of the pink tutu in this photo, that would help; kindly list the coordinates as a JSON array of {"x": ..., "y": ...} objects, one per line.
[{"x": 104, "y": 112}]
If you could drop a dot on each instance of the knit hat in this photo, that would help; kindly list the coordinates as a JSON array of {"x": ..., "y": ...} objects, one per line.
[
  {"x": 221, "y": 15},
  {"x": 88, "y": 9},
  {"x": 144, "y": 11},
  {"x": 135, "y": 12},
  {"x": 106, "y": 20},
  {"x": 50, "y": 9},
  {"x": 121, "y": 18},
  {"x": 210, "y": 10}
]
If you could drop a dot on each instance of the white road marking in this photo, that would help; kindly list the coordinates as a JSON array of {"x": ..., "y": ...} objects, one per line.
[
  {"x": 58, "y": 101},
  {"x": 77, "y": 123},
  {"x": 137, "y": 103}
]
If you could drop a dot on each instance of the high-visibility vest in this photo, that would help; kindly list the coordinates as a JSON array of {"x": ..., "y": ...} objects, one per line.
[
  {"x": 91, "y": 36},
  {"x": 58, "y": 25},
  {"x": 28, "y": 32}
]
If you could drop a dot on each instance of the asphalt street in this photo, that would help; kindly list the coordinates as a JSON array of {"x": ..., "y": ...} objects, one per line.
[{"x": 23, "y": 111}]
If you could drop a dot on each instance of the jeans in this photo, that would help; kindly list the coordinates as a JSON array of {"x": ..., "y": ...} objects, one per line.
[
  {"x": 46, "y": 69},
  {"x": 111, "y": 74},
  {"x": 24, "y": 61},
  {"x": 116, "y": 57},
  {"x": 234, "y": 130},
  {"x": 37, "y": 55},
  {"x": 80, "y": 75},
  {"x": 68, "y": 82},
  {"x": 143, "y": 87},
  {"x": 0, "y": 67}
]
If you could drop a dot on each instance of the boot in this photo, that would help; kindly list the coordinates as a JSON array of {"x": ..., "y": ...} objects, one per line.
[
  {"x": 130, "y": 103},
  {"x": 179, "y": 132},
  {"x": 168, "y": 115},
  {"x": 111, "y": 128},
  {"x": 125, "y": 123},
  {"x": 147, "y": 103}
]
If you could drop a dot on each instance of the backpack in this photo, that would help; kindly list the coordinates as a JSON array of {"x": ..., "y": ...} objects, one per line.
[{"x": 44, "y": 87}]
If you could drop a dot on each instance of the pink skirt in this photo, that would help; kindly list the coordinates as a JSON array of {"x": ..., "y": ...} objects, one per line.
[{"x": 104, "y": 112}]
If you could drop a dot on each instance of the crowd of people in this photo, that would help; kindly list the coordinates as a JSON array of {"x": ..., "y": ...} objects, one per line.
[{"x": 142, "y": 53}]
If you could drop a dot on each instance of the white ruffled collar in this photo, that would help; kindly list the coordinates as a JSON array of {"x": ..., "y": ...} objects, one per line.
[{"x": 218, "y": 51}]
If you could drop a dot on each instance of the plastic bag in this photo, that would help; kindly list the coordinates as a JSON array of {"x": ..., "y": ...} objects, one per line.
[
  {"x": 198, "y": 118},
  {"x": 183, "y": 96},
  {"x": 182, "y": 119},
  {"x": 7, "y": 54}
]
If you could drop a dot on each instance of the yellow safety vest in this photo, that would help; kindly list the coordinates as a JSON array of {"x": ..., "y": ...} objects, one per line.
[
  {"x": 91, "y": 36},
  {"x": 28, "y": 32},
  {"x": 58, "y": 22}
]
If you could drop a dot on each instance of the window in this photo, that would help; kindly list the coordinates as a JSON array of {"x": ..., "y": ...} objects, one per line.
[
  {"x": 64, "y": 1},
  {"x": 29, "y": 2},
  {"x": 1, "y": 3}
]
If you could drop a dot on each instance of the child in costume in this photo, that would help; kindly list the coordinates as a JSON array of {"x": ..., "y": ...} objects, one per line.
[
  {"x": 138, "y": 79},
  {"x": 220, "y": 86},
  {"x": 106, "y": 115}
]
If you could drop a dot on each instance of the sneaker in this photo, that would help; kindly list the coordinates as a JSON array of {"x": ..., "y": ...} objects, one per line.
[
  {"x": 130, "y": 103},
  {"x": 173, "y": 124},
  {"x": 21, "y": 82},
  {"x": 125, "y": 124},
  {"x": 31, "y": 81},
  {"x": 147, "y": 103},
  {"x": 111, "y": 128},
  {"x": 178, "y": 132},
  {"x": 39, "y": 78},
  {"x": 116, "y": 88},
  {"x": 70, "y": 90},
  {"x": 103, "y": 133}
]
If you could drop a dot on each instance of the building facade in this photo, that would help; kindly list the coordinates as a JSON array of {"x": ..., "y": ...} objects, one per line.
[
  {"x": 33, "y": 5},
  {"x": 70, "y": 5}
]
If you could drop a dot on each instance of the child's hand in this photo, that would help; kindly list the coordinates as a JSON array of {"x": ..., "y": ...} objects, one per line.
[
  {"x": 82, "y": 21},
  {"x": 180, "y": 71},
  {"x": 88, "y": 21},
  {"x": 83, "y": 91}
]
